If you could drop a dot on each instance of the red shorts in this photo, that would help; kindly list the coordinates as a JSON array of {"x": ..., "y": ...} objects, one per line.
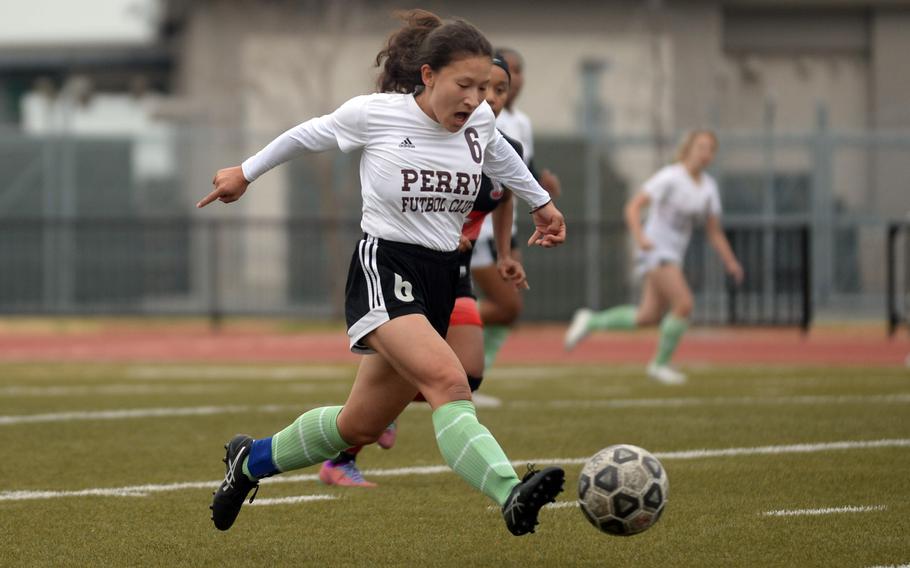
[{"x": 465, "y": 312}]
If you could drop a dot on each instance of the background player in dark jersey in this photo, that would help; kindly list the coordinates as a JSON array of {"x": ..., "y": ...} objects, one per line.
[
  {"x": 465, "y": 334},
  {"x": 401, "y": 284},
  {"x": 501, "y": 305}
]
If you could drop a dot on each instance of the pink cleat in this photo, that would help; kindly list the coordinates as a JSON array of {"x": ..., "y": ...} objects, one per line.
[
  {"x": 345, "y": 475},
  {"x": 387, "y": 440}
]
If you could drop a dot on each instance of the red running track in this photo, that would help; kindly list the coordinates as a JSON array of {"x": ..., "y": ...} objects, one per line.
[{"x": 530, "y": 344}]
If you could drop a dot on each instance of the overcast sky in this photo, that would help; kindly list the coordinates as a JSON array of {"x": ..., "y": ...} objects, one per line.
[{"x": 42, "y": 22}]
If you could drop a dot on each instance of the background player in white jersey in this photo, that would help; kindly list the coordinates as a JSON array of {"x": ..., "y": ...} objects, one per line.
[
  {"x": 679, "y": 195},
  {"x": 427, "y": 137},
  {"x": 502, "y": 304}
]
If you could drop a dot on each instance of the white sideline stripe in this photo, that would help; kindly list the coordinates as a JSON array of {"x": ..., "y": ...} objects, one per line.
[
  {"x": 824, "y": 511},
  {"x": 143, "y": 413},
  {"x": 556, "y": 505},
  {"x": 142, "y": 490},
  {"x": 143, "y": 389},
  {"x": 714, "y": 401},
  {"x": 113, "y": 389},
  {"x": 900, "y": 398},
  {"x": 485, "y": 401},
  {"x": 293, "y": 500},
  {"x": 239, "y": 373},
  {"x": 891, "y": 566},
  {"x": 756, "y": 451}
]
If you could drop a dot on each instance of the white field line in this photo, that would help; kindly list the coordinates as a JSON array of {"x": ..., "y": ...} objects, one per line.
[
  {"x": 898, "y": 398},
  {"x": 681, "y": 402},
  {"x": 891, "y": 566},
  {"x": 824, "y": 511},
  {"x": 143, "y": 490},
  {"x": 486, "y": 401},
  {"x": 240, "y": 373},
  {"x": 146, "y": 413},
  {"x": 293, "y": 500},
  {"x": 556, "y": 505},
  {"x": 153, "y": 389},
  {"x": 113, "y": 389}
]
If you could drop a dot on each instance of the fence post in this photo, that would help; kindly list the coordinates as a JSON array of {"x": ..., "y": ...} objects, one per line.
[
  {"x": 807, "y": 279},
  {"x": 592, "y": 124},
  {"x": 215, "y": 313},
  {"x": 770, "y": 211},
  {"x": 891, "y": 258},
  {"x": 822, "y": 227}
]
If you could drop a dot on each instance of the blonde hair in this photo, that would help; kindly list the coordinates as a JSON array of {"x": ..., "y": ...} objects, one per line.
[{"x": 685, "y": 144}]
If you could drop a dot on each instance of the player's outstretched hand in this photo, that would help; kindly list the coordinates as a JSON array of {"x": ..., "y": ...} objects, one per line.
[
  {"x": 549, "y": 227},
  {"x": 512, "y": 271},
  {"x": 736, "y": 272},
  {"x": 229, "y": 186},
  {"x": 645, "y": 244}
]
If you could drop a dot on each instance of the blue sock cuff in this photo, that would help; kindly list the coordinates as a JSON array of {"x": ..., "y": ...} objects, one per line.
[{"x": 260, "y": 461}]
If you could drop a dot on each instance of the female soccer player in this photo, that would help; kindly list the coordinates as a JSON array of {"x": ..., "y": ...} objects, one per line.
[
  {"x": 465, "y": 334},
  {"x": 427, "y": 136},
  {"x": 679, "y": 195}
]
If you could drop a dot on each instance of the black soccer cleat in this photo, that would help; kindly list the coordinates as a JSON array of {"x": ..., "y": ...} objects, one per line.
[
  {"x": 236, "y": 485},
  {"x": 537, "y": 488}
]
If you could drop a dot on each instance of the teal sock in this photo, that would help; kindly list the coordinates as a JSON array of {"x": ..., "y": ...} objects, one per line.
[
  {"x": 311, "y": 439},
  {"x": 472, "y": 452},
  {"x": 671, "y": 331},
  {"x": 493, "y": 338},
  {"x": 618, "y": 318}
]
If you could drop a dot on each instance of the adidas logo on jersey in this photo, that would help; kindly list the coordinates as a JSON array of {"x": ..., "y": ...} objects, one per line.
[{"x": 406, "y": 143}]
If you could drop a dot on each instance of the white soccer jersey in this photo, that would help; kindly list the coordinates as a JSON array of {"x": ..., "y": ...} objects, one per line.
[
  {"x": 418, "y": 180},
  {"x": 516, "y": 124},
  {"x": 677, "y": 204}
]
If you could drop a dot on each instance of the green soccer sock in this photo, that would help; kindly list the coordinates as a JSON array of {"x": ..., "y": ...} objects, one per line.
[
  {"x": 671, "y": 331},
  {"x": 493, "y": 338},
  {"x": 618, "y": 318},
  {"x": 470, "y": 450},
  {"x": 312, "y": 438}
]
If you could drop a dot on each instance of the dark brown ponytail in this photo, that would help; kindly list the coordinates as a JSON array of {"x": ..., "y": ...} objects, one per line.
[{"x": 425, "y": 39}]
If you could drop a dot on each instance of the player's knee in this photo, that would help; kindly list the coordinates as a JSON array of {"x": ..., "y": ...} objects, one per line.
[
  {"x": 357, "y": 435},
  {"x": 447, "y": 386},
  {"x": 683, "y": 308},
  {"x": 457, "y": 391},
  {"x": 510, "y": 309},
  {"x": 474, "y": 382},
  {"x": 644, "y": 319}
]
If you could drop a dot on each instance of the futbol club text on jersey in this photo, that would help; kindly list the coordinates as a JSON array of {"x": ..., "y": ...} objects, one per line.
[{"x": 438, "y": 182}]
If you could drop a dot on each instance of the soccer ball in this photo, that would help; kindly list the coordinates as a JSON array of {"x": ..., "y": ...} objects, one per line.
[{"x": 623, "y": 490}]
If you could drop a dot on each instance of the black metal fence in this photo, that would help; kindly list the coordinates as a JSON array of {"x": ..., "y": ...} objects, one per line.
[
  {"x": 776, "y": 290},
  {"x": 297, "y": 268},
  {"x": 898, "y": 275}
]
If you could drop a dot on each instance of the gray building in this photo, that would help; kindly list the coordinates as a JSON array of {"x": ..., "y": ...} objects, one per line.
[{"x": 810, "y": 98}]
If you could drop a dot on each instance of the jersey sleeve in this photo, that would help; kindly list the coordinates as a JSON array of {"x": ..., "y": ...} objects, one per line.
[
  {"x": 714, "y": 206},
  {"x": 519, "y": 148},
  {"x": 345, "y": 129},
  {"x": 656, "y": 186},
  {"x": 528, "y": 132},
  {"x": 503, "y": 164}
]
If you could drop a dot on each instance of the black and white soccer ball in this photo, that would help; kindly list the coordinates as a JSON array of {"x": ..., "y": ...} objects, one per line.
[{"x": 623, "y": 490}]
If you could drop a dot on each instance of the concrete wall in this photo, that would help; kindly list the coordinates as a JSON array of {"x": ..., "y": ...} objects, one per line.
[{"x": 249, "y": 70}]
